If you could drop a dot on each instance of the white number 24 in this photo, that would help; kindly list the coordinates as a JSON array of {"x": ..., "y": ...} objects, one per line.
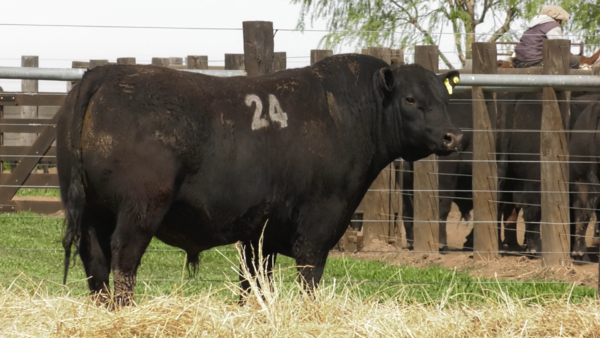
[{"x": 276, "y": 114}]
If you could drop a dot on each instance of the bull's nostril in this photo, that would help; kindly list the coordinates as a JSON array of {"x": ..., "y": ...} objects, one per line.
[{"x": 448, "y": 139}]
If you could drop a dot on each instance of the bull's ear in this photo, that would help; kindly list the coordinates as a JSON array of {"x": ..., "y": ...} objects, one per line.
[
  {"x": 450, "y": 80},
  {"x": 386, "y": 79}
]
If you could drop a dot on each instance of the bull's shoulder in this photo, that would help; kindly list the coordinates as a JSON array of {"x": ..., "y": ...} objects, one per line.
[{"x": 345, "y": 67}]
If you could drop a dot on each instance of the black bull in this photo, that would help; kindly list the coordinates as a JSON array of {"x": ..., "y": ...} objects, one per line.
[{"x": 200, "y": 161}]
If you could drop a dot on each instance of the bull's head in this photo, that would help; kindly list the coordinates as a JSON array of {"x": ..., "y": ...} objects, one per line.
[{"x": 415, "y": 101}]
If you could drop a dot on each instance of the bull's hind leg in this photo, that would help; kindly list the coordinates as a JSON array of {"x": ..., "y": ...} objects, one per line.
[
  {"x": 253, "y": 263},
  {"x": 144, "y": 192},
  {"x": 95, "y": 254},
  {"x": 136, "y": 225}
]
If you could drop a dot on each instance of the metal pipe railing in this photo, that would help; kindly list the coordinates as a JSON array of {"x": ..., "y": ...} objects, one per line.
[
  {"x": 491, "y": 82},
  {"x": 75, "y": 74},
  {"x": 526, "y": 80}
]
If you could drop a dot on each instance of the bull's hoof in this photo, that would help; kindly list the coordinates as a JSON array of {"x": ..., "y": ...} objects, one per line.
[{"x": 444, "y": 249}]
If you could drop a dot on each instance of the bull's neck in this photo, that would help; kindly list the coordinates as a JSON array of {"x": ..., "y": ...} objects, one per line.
[
  {"x": 383, "y": 133},
  {"x": 386, "y": 135}
]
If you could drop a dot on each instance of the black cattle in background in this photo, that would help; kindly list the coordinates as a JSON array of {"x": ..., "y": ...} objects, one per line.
[
  {"x": 518, "y": 160},
  {"x": 455, "y": 170},
  {"x": 200, "y": 161},
  {"x": 584, "y": 157}
]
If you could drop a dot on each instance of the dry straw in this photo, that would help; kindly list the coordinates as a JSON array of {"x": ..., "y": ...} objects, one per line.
[{"x": 284, "y": 311}]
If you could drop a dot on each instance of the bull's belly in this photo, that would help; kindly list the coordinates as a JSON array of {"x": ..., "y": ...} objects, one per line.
[{"x": 194, "y": 231}]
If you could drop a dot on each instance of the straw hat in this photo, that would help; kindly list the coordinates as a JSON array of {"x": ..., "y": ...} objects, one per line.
[{"x": 556, "y": 12}]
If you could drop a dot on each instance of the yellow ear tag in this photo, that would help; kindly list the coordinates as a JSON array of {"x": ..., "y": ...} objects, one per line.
[
  {"x": 448, "y": 86},
  {"x": 455, "y": 79}
]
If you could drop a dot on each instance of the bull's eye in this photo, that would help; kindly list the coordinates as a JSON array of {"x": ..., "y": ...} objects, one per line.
[{"x": 410, "y": 100}]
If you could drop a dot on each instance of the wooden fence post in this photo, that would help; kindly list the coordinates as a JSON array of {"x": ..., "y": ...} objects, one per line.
[
  {"x": 126, "y": 61},
  {"x": 377, "y": 203},
  {"x": 96, "y": 63},
  {"x": 235, "y": 62},
  {"x": 397, "y": 58},
  {"x": 554, "y": 156},
  {"x": 426, "y": 204},
  {"x": 164, "y": 62},
  {"x": 197, "y": 62},
  {"x": 176, "y": 61},
  {"x": 76, "y": 64},
  {"x": 317, "y": 55},
  {"x": 279, "y": 61},
  {"x": 485, "y": 172},
  {"x": 29, "y": 112},
  {"x": 383, "y": 53},
  {"x": 258, "y": 47}
]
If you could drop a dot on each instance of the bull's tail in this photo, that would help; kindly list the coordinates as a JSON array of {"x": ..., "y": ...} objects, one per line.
[{"x": 75, "y": 199}]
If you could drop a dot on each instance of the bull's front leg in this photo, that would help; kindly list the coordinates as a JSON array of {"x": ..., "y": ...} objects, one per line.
[
  {"x": 318, "y": 229},
  {"x": 254, "y": 266}
]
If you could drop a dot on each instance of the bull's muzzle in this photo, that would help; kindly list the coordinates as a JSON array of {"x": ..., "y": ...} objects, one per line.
[{"x": 451, "y": 142}]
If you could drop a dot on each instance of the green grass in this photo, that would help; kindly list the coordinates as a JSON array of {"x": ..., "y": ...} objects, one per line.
[
  {"x": 38, "y": 192},
  {"x": 30, "y": 245}
]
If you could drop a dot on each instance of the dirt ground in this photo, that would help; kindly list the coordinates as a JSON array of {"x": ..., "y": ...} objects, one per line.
[{"x": 507, "y": 266}]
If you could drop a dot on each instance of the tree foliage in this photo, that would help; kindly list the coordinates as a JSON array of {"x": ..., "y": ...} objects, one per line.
[{"x": 404, "y": 23}]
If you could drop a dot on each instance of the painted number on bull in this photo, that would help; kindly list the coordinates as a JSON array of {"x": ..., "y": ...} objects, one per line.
[{"x": 276, "y": 114}]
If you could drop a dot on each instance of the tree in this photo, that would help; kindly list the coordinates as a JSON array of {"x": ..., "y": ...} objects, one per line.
[{"x": 403, "y": 23}]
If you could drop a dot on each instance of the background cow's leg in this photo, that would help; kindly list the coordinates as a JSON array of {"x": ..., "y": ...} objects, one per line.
[
  {"x": 532, "y": 216},
  {"x": 95, "y": 254},
  {"x": 253, "y": 263},
  {"x": 581, "y": 215},
  {"x": 408, "y": 203},
  {"x": 445, "y": 206},
  {"x": 596, "y": 239},
  {"x": 510, "y": 214},
  {"x": 578, "y": 246},
  {"x": 407, "y": 219}
]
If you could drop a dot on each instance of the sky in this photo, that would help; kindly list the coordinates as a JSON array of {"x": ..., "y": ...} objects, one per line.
[
  {"x": 204, "y": 27},
  {"x": 57, "y": 47}
]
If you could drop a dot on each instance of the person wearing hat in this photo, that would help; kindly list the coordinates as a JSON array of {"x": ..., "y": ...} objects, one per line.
[{"x": 547, "y": 25}]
